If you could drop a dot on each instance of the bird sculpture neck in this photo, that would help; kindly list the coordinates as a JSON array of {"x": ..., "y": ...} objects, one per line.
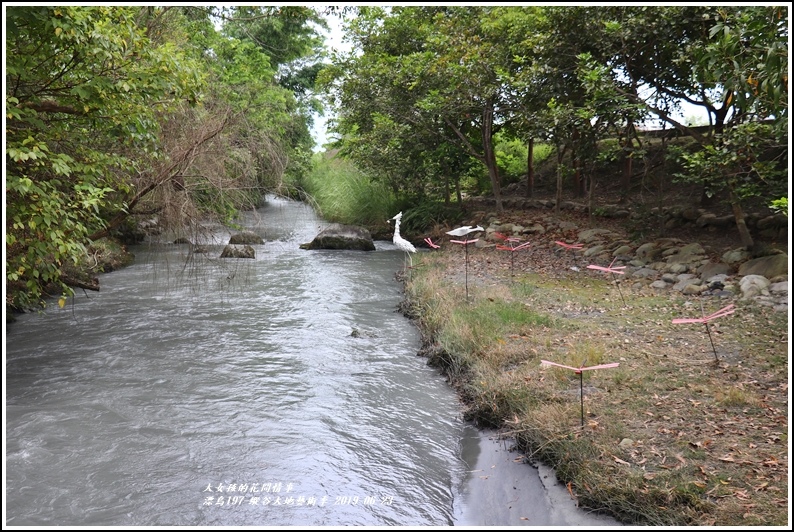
[{"x": 396, "y": 228}]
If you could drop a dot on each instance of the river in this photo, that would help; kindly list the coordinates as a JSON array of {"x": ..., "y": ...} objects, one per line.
[{"x": 284, "y": 391}]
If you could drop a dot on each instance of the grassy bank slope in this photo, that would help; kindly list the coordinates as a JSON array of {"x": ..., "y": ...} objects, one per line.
[{"x": 670, "y": 437}]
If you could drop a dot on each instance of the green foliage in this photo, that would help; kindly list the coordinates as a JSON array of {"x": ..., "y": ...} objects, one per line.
[
  {"x": 114, "y": 110},
  {"x": 418, "y": 218},
  {"x": 511, "y": 156},
  {"x": 747, "y": 55},
  {"x": 84, "y": 87},
  {"x": 342, "y": 193},
  {"x": 742, "y": 158},
  {"x": 780, "y": 205}
]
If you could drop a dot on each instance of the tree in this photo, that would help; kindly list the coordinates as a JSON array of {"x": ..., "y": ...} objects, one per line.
[
  {"x": 114, "y": 112},
  {"x": 731, "y": 61},
  {"x": 84, "y": 87},
  {"x": 432, "y": 69}
]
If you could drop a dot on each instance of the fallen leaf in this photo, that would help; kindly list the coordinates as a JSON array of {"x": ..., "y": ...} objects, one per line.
[{"x": 618, "y": 460}]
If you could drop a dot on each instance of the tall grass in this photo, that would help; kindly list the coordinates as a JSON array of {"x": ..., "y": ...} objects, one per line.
[{"x": 342, "y": 193}]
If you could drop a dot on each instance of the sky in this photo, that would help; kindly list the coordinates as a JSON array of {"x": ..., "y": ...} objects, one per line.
[{"x": 334, "y": 41}]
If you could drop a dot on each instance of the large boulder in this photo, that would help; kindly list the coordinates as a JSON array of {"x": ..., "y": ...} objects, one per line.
[
  {"x": 340, "y": 236},
  {"x": 246, "y": 238},
  {"x": 770, "y": 266},
  {"x": 233, "y": 251}
]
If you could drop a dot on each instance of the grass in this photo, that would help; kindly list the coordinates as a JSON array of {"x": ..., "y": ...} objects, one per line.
[
  {"x": 342, "y": 193},
  {"x": 670, "y": 437}
]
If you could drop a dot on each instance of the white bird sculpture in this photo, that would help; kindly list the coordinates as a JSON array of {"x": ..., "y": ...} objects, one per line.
[
  {"x": 399, "y": 241},
  {"x": 465, "y": 230}
]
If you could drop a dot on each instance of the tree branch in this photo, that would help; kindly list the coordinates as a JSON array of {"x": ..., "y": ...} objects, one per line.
[{"x": 178, "y": 163}]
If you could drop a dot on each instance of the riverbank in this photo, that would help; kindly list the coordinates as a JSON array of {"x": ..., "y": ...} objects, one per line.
[
  {"x": 502, "y": 489},
  {"x": 102, "y": 256},
  {"x": 673, "y": 435}
]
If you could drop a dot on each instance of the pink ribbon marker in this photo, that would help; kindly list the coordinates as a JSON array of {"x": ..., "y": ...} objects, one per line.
[
  {"x": 512, "y": 248},
  {"x": 569, "y": 246},
  {"x": 579, "y": 371},
  {"x": 705, "y": 321},
  {"x": 521, "y": 246},
  {"x": 719, "y": 314},
  {"x": 431, "y": 244},
  {"x": 512, "y": 239},
  {"x": 464, "y": 242},
  {"x": 609, "y": 269}
]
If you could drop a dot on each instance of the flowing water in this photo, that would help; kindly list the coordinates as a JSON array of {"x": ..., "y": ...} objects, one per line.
[{"x": 194, "y": 390}]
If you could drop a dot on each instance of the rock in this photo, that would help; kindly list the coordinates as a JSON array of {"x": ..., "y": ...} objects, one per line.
[
  {"x": 246, "y": 238},
  {"x": 735, "y": 256},
  {"x": 691, "y": 214},
  {"x": 684, "y": 281},
  {"x": 717, "y": 281},
  {"x": 677, "y": 267},
  {"x": 753, "y": 285},
  {"x": 622, "y": 250},
  {"x": 232, "y": 251},
  {"x": 672, "y": 223},
  {"x": 779, "y": 289},
  {"x": 692, "y": 249},
  {"x": 694, "y": 288},
  {"x": 659, "y": 285},
  {"x": 648, "y": 252},
  {"x": 724, "y": 222},
  {"x": 535, "y": 229},
  {"x": 775, "y": 221},
  {"x": 711, "y": 269},
  {"x": 645, "y": 273},
  {"x": 595, "y": 250},
  {"x": 687, "y": 254},
  {"x": 568, "y": 226},
  {"x": 706, "y": 219},
  {"x": 340, "y": 236},
  {"x": 183, "y": 240},
  {"x": 768, "y": 266},
  {"x": 591, "y": 235}
]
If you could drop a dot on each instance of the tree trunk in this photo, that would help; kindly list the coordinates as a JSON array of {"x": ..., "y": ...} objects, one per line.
[
  {"x": 530, "y": 168},
  {"x": 489, "y": 156},
  {"x": 628, "y": 159},
  {"x": 578, "y": 181},
  {"x": 741, "y": 225},
  {"x": 559, "y": 181},
  {"x": 590, "y": 200}
]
